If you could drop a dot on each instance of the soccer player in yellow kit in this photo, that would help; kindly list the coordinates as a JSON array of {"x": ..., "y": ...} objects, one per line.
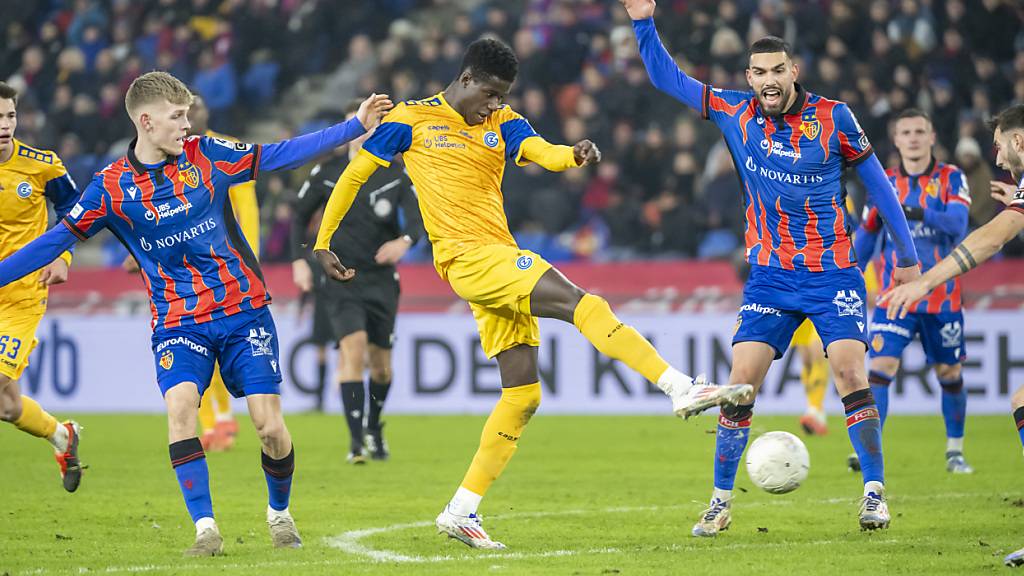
[
  {"x": 455, "y": 145},
  {"x": 216, "y": 419},
  {"x": 28, "y": 177}
]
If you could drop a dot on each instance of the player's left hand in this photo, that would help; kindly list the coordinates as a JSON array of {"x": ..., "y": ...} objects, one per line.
[
  {"x": 905, "y": 274},
  {"x": 392, "y": 251},
  {"x": 55, "y": 272},
  {"x": 333, "y": 266},
  {"x": 1002, "y": 191},
  {"x": 586, "y": 153},
  {"x": 373, "y": 109},
  {"x": 902, "y": 298}
]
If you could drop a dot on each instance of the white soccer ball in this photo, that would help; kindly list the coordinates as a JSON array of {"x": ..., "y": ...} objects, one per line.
[{"x": 778, "y": 462}]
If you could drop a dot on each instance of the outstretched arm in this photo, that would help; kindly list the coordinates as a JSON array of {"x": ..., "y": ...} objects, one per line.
[
  {"x": 295, "y": 152},
  {"x": 36, "y": 254},
  {"x": 558, "y": 157},
  {"x": 975, "y": 249},
  {"x": 882, "y": 196},
  {"x": 661, "y": 68},
  {"x": 352, "y": 179}
]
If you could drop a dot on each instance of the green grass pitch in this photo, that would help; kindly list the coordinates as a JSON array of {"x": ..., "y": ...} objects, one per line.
[{"x": 584, "y": 495}]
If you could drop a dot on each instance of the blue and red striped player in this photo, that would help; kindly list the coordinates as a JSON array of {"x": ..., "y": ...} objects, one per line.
[
  {"x": 790, "y": 148},
  {"x": 936, "y": 200},
  {"x": 167, "y": 201}
]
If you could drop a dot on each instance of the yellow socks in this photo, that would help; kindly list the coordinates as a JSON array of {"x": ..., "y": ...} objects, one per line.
[
  {"x": 35, "y": 420},
  {"x": 596, "y": 321},
  {"x": 815, "y": 381},
  {"x": 501, "y": 435}
]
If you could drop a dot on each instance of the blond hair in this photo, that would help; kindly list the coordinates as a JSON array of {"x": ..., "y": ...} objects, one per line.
[{"x": 153, "y": 87}]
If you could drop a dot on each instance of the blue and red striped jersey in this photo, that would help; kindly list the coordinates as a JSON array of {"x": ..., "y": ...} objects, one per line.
[
  {"x": 941, "y": 188},
  {"x": 791, "y": 168},
  {"x": 175, "y": 218}
]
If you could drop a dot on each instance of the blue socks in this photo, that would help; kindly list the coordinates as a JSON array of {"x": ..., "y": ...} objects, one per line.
[
  {"x": 279, "y": 479},
  {"x": 954, "y": 406},
  {"x": 730, "y": 442},
  {"x": 865, "y": 430},
  {"x": 189, "y": 463},
  {"x": 880, "y": 382}
]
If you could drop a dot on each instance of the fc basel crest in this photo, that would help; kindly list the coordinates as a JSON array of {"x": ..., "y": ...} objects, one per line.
[
  {"x": 167, "y": 360},
  {"x": 189, "y": 175},
  {"x": 932, "y": 188},
  {"x": 809, "y": 124}
]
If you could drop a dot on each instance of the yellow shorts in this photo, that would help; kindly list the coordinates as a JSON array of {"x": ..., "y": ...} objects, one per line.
[
  {"x": 497, "y": 281},
  {"x": 18, "y": 324},
  {"x": 805, "y": 335}
]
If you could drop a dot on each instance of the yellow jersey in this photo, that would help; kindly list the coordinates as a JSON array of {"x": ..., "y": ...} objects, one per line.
[
  {"x": 244, "y": 205},
  {"x": 456, "y": 169},
  {"x": 27, "y": 179}
]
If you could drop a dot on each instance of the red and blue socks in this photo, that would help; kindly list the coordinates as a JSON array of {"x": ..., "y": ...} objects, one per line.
[
  {"x": 730, "y": 442},
  {"x": 954, "y": 413},
  {"x": 189, "y": 463},
  {"x": 880, "y": 382},
  {"x": 865, "y": 430},
  {"x": 279, "y": 479}
]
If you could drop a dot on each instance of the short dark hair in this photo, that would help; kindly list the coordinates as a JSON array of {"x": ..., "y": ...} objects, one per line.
[
  {"x": 489, "y": 57},
  {"x": 7, "y": 92},
  {"x": 1011, "y": 118},
  {"x": 771, "y": 45},
  {"x": 912, "y": 113}
]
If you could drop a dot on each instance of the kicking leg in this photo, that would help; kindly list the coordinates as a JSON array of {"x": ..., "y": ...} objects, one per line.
[{"x": 554, "y": 296}]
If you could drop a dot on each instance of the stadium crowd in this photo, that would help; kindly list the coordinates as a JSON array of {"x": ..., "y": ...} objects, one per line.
[{"x": 666, "y": 187}]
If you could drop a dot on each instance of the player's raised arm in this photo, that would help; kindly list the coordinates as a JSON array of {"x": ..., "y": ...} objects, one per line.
[
  {"x": 295, "y": 152},
  {"x": 661, "y": 68},
  {"x": 352, "y": 179}
]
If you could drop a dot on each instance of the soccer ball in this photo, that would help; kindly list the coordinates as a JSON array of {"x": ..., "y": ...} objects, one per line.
[{"x": 778, "y": 462}]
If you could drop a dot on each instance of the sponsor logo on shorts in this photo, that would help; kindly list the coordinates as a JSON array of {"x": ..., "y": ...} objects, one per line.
[
  {"x": 260, "y": 342},
  {"x": 877, "y": 343},
  {"x": 524, "y": 262},
  {"x": 183, "y": 341},
  {"x": 167, "y": 360},
  {"x": 951, "y": 334},
  {"x": 890, "y": 328},
  {"x": 491, "y": 139},
  {"x": 848, "y": 303},
  {"x": 760, "y": 309},
  {"x": 862, "y": 415}
]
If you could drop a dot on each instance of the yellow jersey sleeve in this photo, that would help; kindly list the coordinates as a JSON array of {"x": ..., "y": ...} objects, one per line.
[
  {"x": 553, "y": 157},
  {"x": 394, "y": 135}
]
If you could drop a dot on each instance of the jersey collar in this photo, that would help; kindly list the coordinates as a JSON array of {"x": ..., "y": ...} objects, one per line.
[
  {"x": 139, "y": 168},
  {"x": 928, "y": 170}
]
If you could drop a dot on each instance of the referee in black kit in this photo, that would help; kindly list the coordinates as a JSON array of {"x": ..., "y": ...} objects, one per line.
[{"x": 361, "y": 312}]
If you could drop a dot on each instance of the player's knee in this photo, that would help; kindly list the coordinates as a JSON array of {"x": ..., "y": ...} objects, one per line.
[
  {"x": 270, "y": 430},
  {"x": 947, "y": 372},
  {"x": 1017, "y": 400},
  {"x": 849, "y": 376},
  {"x": 10, "y": 408},
  {"x": 380, "y": 373}
]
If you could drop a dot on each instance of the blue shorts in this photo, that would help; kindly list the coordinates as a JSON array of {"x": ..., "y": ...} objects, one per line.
[
  {"x": 244, "y": 344},
  {"x": 941, "y": 335},
  {"x": 776, "y": 301}
]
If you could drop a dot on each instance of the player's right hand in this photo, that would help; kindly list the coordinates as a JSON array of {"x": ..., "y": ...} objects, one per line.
[
  {"x": 302, "y": 275},
  {"x": 333, "y": 266},
  {"x": 1003, "y": 192},
  {"x": 130, "y": 265},
  {"x": 639, "y": 9},
  {"x": 373, "y": 109}
]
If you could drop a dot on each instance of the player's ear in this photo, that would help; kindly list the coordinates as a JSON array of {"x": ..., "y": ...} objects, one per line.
[
  {"x": 465, "y": 78},
  {"x": 750, "y": 77}
]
